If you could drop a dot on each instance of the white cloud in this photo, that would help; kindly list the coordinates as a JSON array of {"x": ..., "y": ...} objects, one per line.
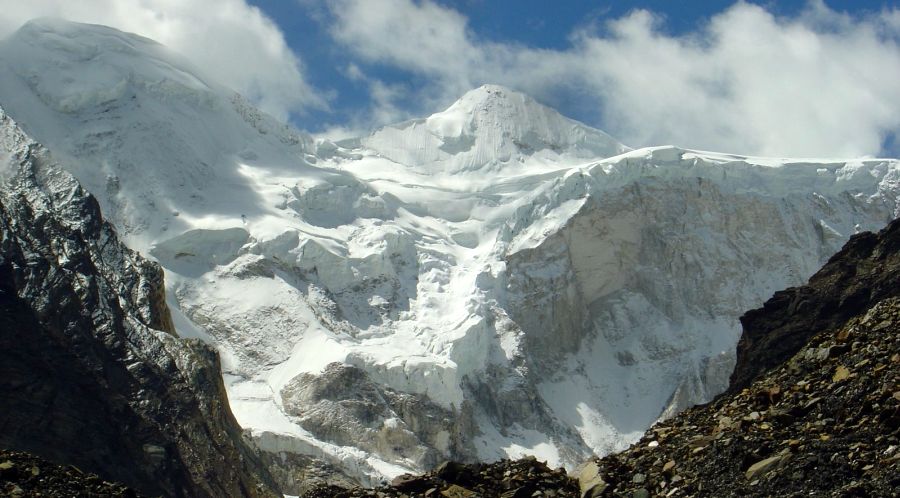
[
  {"x": 230, "y": 41},
  {"x": 427, "y": 37},
  {"x": 383, "y": 107},
  {"x": 750, "y": 83},
  {"x": 818, "y": 83}
]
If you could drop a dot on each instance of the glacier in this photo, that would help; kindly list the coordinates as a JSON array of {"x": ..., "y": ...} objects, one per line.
[{"x": 491, "y": 281}]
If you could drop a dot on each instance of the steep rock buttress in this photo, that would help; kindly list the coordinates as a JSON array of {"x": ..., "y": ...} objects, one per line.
[{"x": 91, "y": 371}]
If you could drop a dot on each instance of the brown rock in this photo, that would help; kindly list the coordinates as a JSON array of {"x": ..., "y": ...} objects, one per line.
[
  {"x": 763, "y": 467},
  {"x": 840, "y": 373},
  {"x": 456, "y": 491}
]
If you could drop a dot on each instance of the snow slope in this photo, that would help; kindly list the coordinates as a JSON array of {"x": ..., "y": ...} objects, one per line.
[
  {"x": 494, "y": 280},
  {"x": 173, "y": 147}
]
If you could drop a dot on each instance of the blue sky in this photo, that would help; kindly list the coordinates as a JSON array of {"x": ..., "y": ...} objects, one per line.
[
  {"x": 535, "y": 23},
  {"x": 810, "y": 78},
  {"x": 310, "y": 30}
]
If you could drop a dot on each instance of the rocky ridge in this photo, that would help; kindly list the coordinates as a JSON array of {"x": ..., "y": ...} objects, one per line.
[
  {"x": 865, "y": 271},
  {"x": 92, "y": 372}
]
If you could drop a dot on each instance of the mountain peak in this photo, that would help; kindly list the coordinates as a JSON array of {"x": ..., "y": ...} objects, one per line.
[
  {"x": 97, "y": 96},
  {"x": 485, "y": 97},
  {"x": 491, "y": 127},
  {"x": 72, "y": 29},
  {"x": 487, "y": 107}
]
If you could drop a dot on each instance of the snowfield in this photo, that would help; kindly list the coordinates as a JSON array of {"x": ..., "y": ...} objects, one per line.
[{"x": 494, "y": 280}]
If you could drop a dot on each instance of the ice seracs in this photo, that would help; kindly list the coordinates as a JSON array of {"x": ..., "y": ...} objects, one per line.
[{"x": 537, "y": 286}]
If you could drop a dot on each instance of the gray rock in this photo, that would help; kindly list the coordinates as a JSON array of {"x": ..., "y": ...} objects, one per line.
[
  {"x": 590, "y": 482},
  {"x": 765, "y": 466},
  {"x": 344, "y": 406}
]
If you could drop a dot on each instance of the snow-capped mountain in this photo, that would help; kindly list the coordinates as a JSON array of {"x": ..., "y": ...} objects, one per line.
[
  {"x": 138, "y": 126},
  {"x": 489, "y": 131},
  {"x": 493, "y": 280}
]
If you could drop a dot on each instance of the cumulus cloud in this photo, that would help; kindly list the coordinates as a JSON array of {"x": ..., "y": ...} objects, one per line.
[
  {"x": 232, "y": 42},
  {"x": 750, "y": 82},
  {"x": 430, "y": 41},
  {"x": 817, "y": 83}
]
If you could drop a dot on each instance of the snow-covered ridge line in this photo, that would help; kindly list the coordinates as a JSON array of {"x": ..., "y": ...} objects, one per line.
[{"x": 535, "y": 285}]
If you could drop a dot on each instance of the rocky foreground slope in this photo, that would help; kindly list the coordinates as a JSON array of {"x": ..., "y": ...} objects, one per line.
[
  {"x": 813, "y": 410},
  {"x": 91, "y": 371},
  {"x": 25, "y": 475}
]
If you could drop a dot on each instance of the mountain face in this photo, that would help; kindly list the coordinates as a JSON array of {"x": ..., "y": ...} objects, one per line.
[
  {"x": 139, "y": 128},
  {"x": 91, "y": 371},
  {"x": 492, "y": 281},
  {"x": 822, "y": 421}
]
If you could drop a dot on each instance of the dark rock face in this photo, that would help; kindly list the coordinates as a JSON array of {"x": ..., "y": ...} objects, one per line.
[
  {"x": 91, "y": 371},
  {"x": 825, "y": 423},
  {"x": 864, "y": 272}
]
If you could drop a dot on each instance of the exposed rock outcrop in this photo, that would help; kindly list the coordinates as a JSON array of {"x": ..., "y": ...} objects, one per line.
[
  {"x": 92, "y": 372},
  {"x": 343, "y": 406}
]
